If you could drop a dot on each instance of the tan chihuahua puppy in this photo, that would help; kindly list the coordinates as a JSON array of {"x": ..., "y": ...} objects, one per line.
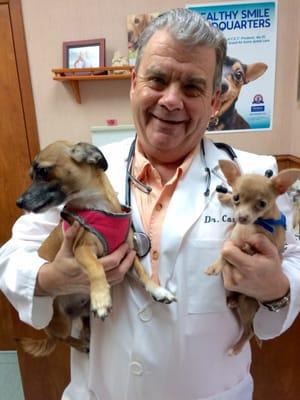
[
  {"x": 74, "y": 175},
  {"x": 255, "y": 211}
]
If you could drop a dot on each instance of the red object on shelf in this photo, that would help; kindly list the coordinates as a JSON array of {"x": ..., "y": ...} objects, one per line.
[{"x": 111, "y": 122}]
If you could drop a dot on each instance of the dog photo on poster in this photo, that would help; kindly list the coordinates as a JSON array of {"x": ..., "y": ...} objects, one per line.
[
  {"x": 136, "y": 23},
  {"x": 248, "y": 78}
]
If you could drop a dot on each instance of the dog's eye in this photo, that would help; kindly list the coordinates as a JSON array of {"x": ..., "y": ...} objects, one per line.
[
  {"x": 42, "y": 172},
  {"x": 238, "y": 75},
  {"x": 261, "y": 204},
  {"x": 236, "y": 198}
]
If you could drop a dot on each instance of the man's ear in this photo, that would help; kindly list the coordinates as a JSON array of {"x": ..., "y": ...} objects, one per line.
[
  {"x": 216, "y": 102},
  {"x": 133, "y": 83}
]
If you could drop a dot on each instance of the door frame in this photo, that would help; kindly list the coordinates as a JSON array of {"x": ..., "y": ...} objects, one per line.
[{"x": 20, "y": 49}]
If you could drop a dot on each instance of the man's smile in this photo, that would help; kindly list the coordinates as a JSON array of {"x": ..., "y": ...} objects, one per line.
[{"x": 168, "y": 120}]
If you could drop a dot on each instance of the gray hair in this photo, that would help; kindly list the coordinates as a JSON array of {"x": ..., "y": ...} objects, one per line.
[{"x": 191, "y": 29}]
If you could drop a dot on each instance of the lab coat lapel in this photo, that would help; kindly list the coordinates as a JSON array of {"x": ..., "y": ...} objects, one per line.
[{"x": 187, "y": 205}]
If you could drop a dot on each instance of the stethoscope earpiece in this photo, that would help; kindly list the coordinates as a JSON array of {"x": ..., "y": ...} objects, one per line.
[
  {"x": 221, "y": 189},
  {"x": 269, "y": 173}
]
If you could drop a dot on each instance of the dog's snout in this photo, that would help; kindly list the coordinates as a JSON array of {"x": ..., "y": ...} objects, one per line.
[
  {"x": 243, "y": 219},
  {"x": 224, "y": 87},
  {"x": 20, "y": 202}
]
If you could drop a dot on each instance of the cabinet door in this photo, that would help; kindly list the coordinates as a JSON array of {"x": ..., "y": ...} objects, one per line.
[
  {"x": 42, "y": 378},
  {"x": 276, "y": 366}
]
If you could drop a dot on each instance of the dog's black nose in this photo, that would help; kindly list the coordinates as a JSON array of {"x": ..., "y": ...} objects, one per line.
[
  {"x": 224, "y": 87},
  {"x": 243, "y": 219},
  {"x": 20, "y": 202}
]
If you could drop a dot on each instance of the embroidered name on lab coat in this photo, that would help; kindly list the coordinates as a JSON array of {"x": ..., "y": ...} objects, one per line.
[{"x": 208, "y": 219}]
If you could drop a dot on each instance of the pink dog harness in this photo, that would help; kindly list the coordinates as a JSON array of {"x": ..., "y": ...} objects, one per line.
[{"x": 110, "y": 228}]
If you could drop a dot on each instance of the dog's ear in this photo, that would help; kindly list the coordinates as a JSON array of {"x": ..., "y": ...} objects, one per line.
[
  {"x": 85, "y": 152},
  {"x": 230, "y": 170},
  {"x": 254, "y": 71},
  {"x": 285, "y": 179}
]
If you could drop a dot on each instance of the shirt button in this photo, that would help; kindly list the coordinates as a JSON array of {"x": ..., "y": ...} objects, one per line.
[
  {"x": 146, "y": 314},
  {"x": 158, "y": 207},
  {"x": 136, "y": 368},
  {"x": 155, "y": 255}
]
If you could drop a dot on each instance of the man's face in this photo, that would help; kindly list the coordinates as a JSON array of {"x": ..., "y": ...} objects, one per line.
[{"x": 172, "y": 97}]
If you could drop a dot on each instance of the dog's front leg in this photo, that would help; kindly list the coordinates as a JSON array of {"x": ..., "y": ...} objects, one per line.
[
  {"x": 100, "y": 290},
  {"x": 157, "y": 292},
  {"x": 216, "y": 267}
]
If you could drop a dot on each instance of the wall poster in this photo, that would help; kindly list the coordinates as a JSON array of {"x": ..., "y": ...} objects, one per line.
[{"x": 248, "y": 81}]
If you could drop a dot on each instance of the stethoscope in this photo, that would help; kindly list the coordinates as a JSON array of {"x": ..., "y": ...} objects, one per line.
[{"x": 142, "y": 241}]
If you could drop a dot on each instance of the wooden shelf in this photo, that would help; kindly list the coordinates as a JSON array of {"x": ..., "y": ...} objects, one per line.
[{"x": 74, "y": 75}]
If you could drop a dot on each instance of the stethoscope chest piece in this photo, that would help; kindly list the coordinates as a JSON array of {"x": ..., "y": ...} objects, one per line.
[{"x": 141, "y": 243}]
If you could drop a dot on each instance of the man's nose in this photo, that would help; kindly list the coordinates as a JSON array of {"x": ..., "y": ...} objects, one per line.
[{"x": 171, "y": 98}]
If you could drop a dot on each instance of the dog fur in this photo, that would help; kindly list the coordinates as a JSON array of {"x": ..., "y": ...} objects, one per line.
[
  {"x": 294, "y": 194},
  {"x": 135, "y": 26},
  {"x": 253, "y": 196},
  {"x": 235, "y": 74},
  {"x": 74, "y": 175}
]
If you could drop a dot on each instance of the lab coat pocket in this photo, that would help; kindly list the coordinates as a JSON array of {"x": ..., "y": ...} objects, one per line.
[{"x": 206, "y": 294}]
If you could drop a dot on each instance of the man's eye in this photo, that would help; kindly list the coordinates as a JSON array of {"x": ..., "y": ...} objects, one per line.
[
  {"x": 157, "y": 82},
  {"x": 192, "y": 89}
]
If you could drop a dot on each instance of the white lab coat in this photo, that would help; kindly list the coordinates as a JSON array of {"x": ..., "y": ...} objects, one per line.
[{"x": 146, "y": 350}]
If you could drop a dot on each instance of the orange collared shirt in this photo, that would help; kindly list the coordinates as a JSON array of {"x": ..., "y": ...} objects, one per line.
[{"x": 153, "y": 206}]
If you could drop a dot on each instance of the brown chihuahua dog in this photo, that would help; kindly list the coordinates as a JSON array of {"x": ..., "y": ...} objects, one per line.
[
  {"x": 255, "y": 211},
  {"x": 74, "y": 175}
]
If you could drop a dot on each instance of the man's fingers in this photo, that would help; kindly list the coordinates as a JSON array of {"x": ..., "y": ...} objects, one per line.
[
  {"x": 262, "y": 245},
  {"x": 114, "y": 259},
  {"x": 71, "y": 233},
  {"x": 69, "y": 237},
  {"x": 116, "y": 275},
  {"x": 233, "y": 254},
  {"x": 231, "y": 277}
]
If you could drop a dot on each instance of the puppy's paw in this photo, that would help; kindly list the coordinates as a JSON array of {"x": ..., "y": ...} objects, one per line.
[
  {"x": 101, "y": 305},
  {"x": 213, "y": 270},
  {"x": 233, "y": 352},
  {"x": 84, "y": 347},
  {"x": 162, "y": 295},
  {"x": 232, "y": 302}
]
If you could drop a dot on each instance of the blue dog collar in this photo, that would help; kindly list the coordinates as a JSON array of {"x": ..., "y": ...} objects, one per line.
[{"x": 270, "y": 224}]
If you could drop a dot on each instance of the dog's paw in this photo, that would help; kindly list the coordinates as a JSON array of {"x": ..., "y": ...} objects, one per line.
[
  {"x": 101, "y": 305},
  {"x": 162, "y": 295},
  {"x": 232, "y": 303},
  {"x": 84, "y": 347},
  {"x": 213, "y": 270},
  {"x": 233, "y": 352}
]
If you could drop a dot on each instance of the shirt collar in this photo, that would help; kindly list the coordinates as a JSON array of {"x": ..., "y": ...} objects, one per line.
[{"x": 142, "y": 166}]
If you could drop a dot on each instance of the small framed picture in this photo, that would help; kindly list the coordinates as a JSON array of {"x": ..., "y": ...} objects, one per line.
[{"x": 84, "y": 54}]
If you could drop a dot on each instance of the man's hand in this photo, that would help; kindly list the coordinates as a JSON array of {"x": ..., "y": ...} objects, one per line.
[
  {"x": 260, "y": 275},
  {"x": 66, "y": 276}
]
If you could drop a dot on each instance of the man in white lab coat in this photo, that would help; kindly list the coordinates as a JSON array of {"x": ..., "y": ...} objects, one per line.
[{"x": 146, "y": 350}]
